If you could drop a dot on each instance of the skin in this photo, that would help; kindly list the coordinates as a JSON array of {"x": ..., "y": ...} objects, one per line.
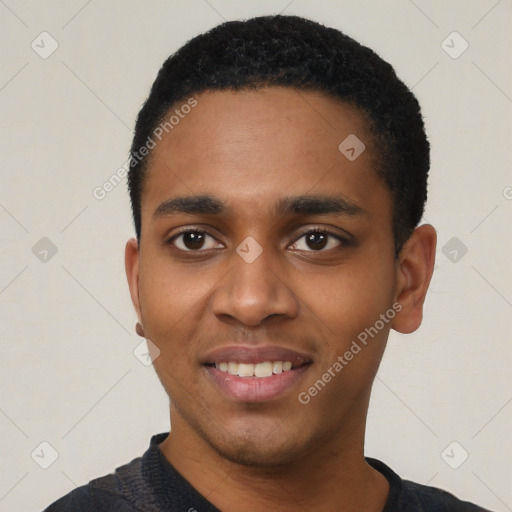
[{"x": 250, "y": 149}]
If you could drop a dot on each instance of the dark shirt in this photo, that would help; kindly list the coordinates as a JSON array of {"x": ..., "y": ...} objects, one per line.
[{"x": 151, "y": 484}]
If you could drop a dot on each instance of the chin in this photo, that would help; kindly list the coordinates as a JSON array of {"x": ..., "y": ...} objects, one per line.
[
  {"x": 252, "y": 439},
  {"x": 257, "y": 451},
  {"x": 263, "y": 443}
]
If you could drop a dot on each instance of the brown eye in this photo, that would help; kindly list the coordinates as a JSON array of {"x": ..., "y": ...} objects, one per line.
[
  {"x": 193, "y": 240},
  {"x": 317, "y": 241}
]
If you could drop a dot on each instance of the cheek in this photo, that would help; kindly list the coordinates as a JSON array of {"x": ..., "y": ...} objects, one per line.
[
  {"x": 169, "y": 301},
  {"x": 346, "y": 307},
  {"x": 350, "y": 300}
]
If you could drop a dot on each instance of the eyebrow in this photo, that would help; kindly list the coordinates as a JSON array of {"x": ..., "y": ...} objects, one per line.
[{"x": 298, "y": 205}]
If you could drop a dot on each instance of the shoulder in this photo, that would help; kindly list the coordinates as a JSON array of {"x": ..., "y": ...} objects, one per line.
[
  {"x": 421, "y": 497},
  {"x": 406, "y": 496},
  {"x": 110, "y": 492},
  {"x": 85, "y": 499}
]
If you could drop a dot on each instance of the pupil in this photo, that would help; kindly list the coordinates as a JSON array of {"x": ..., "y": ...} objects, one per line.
[
  {"x": 316, "y": 241},
  {"x": 193, "y": 240}
]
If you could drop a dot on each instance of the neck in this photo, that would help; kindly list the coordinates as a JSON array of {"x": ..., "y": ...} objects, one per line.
[{"x": 329, "y": 476}]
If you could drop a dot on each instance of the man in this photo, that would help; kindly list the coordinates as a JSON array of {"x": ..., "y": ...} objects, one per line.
[{"x": 278, "y": 175}]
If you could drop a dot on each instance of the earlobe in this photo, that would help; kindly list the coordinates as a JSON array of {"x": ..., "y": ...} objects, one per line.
[
  {"x": 131, "y": 263},
  {"x": 415, "y": 266},
  {"x": 140, "y": 330}
]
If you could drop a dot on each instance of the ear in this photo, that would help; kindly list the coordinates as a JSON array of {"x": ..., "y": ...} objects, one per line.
[
  {"x": 415, "y": 265},
  {"x": 131, "y": 264}
]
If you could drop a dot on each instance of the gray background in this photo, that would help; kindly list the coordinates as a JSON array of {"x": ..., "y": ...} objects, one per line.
[{"x": 68, "y": 374}]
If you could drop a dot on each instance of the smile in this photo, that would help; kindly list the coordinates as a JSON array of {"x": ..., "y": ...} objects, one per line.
[
  {"x": 264, "y": 369},
  {"x": 257, "y": 374}
]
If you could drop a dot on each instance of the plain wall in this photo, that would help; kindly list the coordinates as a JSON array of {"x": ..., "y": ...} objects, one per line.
[{"x": 68, "y": 374}]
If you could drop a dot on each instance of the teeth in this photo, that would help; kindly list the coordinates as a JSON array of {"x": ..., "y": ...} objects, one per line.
[
  {"x": 265, "y": 369},
  {"x": 245, "y": 370}
]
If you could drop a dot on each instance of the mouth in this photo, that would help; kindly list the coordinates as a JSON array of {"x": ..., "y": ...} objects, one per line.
[
  {"x": 259, "y": 370},
  {"x": 251, "y": 375}
]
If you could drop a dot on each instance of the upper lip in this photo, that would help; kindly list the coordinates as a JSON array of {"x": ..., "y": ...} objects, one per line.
[{"x": 256, "y": 354}]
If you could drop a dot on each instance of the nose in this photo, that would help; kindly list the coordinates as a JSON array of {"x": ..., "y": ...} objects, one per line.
[{"x": 252, "y": 291}]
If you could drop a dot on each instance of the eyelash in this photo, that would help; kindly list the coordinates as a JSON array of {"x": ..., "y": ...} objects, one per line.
[{"x": 343, "y": 241}]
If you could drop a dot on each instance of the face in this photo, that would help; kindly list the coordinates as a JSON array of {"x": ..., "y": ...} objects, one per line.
[{"x": 264, "y": 247}]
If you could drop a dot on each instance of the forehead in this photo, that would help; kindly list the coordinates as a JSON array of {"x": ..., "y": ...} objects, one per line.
[{"x": 252, "y": 146}]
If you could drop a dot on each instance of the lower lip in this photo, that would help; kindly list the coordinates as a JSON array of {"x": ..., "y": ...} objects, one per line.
[{"x": 256, "y": 389}]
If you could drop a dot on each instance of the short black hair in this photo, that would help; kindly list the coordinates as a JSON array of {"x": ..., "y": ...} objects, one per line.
[{"x": 296, "y": 52}]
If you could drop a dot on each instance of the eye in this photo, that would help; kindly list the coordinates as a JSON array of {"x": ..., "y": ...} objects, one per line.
[
  {"x": 317, "y": 240},
  {"x": 193, "y": 240}
]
